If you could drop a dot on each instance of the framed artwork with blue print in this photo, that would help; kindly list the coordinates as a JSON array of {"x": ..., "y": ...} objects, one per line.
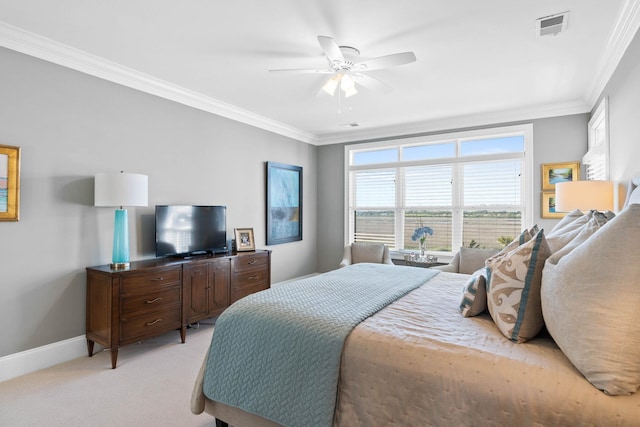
[{"x": 284, "y": 203}]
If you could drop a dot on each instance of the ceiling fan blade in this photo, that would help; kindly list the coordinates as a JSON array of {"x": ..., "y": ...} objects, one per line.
[
  {"x": 387, "y": 61},
  {"x": 330, "y": 48},
  {"x": 371, "y": 83},
  {"x": 304, "y": 70}
]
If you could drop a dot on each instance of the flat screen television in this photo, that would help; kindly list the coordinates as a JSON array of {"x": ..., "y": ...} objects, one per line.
[{"x": 183, "y": 230}]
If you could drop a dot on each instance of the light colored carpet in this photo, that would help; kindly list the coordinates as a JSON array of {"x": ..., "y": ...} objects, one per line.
[{"x": 151, "y": 387}]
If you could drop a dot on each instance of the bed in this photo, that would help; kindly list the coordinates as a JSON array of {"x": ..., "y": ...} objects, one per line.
[{"x": 418, "y": 361}]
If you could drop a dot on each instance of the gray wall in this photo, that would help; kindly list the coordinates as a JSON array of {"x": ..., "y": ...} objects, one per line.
[
  {"x": 558, "y": 139},
  {"x": 623, "y": 91},
  {"x": 71, "y": 126}
]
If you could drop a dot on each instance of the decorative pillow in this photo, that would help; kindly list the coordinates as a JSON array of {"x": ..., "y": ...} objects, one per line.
[
  {"x": 591, "y": 304},
  {"x": 524, "y": 237},
  {"x": 566, "y": 220},
  {"x": 634, "y": 197},
  {"x": 473, "y": 258},
  {"x": 513, "y": 289},
  {"x": 474, "y": 294},
  {"x": 576, "y": 238},
  {"x": 590, "y": 222}
]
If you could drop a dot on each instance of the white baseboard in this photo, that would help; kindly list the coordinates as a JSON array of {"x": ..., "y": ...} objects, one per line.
[{"x": 25, "y": 362}]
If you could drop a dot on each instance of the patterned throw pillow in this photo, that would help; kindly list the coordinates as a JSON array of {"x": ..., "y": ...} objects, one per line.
[
  {"x": 513, "y": 289},
  {"x": 591, "y": 304},
  {"x": 474, "y": 294},
  {"x": 524, "y": 237}
]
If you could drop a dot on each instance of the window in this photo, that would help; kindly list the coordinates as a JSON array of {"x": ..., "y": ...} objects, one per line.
[
  {"x": 596, "y": 161},
  {"x": 469, "y": 188}
]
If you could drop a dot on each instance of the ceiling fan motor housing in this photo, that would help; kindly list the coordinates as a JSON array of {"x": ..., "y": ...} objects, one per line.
[{"x": 351, "y": 55}]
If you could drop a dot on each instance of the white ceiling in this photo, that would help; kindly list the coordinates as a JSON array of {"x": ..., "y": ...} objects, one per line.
[{"x": 477, "y": 61}]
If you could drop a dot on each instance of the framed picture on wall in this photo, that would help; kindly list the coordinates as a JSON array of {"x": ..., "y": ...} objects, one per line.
[
  {"x": 548, "y": 205},
  {"x": 244, "y": 239},
  {"x": 284, "y": 203},
  {"x": 553, "y": 173},
  {"x": 9, "y": 183}
]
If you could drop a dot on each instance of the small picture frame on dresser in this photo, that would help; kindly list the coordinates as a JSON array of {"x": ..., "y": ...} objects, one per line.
[{"x": 244, "y": 239}]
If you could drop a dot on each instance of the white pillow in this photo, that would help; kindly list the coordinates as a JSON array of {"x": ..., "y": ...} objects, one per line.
[
  {"x": 566, "y": 220},
  {"x": 576, "y": 239},
  {"x": 591, "y": 304},
  {"x": 634, "y": 198},
  {"x": 589, "y": 222}
]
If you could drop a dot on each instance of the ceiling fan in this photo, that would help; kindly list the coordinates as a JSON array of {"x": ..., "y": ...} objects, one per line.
[{"x": 347, "y": 71}]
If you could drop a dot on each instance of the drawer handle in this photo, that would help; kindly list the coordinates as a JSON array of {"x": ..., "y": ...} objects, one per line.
[
  {"x": 153, "y": 300},
  {"x": 252, "y": 262},
  {"x": 153, "y": 323},
  {"x": 253, "y": 277},
  {"x": 157, "y": 279}
]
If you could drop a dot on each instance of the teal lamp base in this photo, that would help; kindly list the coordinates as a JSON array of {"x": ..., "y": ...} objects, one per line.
[{"x": 120, "y": 258}]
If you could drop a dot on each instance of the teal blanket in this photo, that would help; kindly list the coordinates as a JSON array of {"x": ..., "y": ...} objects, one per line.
[{"x": 277, "y": 353}]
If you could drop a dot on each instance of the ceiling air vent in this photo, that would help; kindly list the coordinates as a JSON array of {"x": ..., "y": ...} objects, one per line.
[{"x": 552, "y": 25}]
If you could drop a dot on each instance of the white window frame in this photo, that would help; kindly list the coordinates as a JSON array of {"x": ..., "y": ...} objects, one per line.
[
  {"x": 526, "y": 130},
  {"x": 596, "y": 160}
]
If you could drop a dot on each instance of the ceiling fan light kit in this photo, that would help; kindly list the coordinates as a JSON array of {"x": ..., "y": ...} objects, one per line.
[{"x": 347, "y": 71}]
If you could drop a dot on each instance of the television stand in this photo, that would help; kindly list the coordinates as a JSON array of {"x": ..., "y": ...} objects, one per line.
[{"x": 159, "y": 295}]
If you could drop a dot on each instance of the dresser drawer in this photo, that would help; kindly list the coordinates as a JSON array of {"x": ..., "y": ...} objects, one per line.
[
  {"x": 249, "y": 282},
  {"x": 250, "y": 279},
  {"x": 158, "y": 300},
  {"x": 250, "y": 262},
  {"x": 150, "y": 324},
  {"x": 149, "y": 278},
  {"x": 238, "y": 293}
]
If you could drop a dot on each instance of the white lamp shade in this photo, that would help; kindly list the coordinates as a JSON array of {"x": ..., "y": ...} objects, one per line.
[
  {"x": 121, "y": 189},
  {"x": 331, "y": 85},
  {"x": 584, "y": 195}
]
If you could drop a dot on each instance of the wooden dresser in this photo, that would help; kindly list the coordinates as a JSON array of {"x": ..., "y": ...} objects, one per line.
[{"x": 155, "y": 296}]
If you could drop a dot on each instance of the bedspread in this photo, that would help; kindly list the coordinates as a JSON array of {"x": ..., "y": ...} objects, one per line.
[
  {"x": 418, "y": 362},
  {"x": 277, "y": 353}
]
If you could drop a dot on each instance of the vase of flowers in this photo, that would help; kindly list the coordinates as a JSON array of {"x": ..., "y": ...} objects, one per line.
[{"x": 420, "y": 235}]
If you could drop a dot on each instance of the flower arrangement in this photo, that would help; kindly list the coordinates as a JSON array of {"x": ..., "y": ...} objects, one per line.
[{"x": 420, "y": 233}]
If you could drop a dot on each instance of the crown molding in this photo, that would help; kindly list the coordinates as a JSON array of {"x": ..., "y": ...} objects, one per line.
[
  {"x": 623, "y": 32},
  {"x": 31, "y": 44},
  {"x": 458, "y": 122}
]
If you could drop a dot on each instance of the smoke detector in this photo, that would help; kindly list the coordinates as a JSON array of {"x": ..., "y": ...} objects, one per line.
[{"x": 552, "y": 25}]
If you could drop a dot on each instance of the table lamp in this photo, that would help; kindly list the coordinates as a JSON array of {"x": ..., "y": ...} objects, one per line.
[
  {"x": 584, "y": 195},
  {"x": 119, "y": 190}
]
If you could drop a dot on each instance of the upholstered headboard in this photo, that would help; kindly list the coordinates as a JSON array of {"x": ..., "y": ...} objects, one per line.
[{"x": 633, "y": 194}]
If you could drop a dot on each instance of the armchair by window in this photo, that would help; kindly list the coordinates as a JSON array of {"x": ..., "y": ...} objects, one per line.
[
  {"x": 365, "y": 252},
  {"x": 468, "y": 260}
]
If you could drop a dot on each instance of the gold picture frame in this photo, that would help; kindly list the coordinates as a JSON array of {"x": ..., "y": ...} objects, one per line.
[
  {"x": 244, "y": 239},
  {"x": 552, "y": 173},
  {"x": 9, "y": 183},
  {"x": 548, "y": 206}
]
